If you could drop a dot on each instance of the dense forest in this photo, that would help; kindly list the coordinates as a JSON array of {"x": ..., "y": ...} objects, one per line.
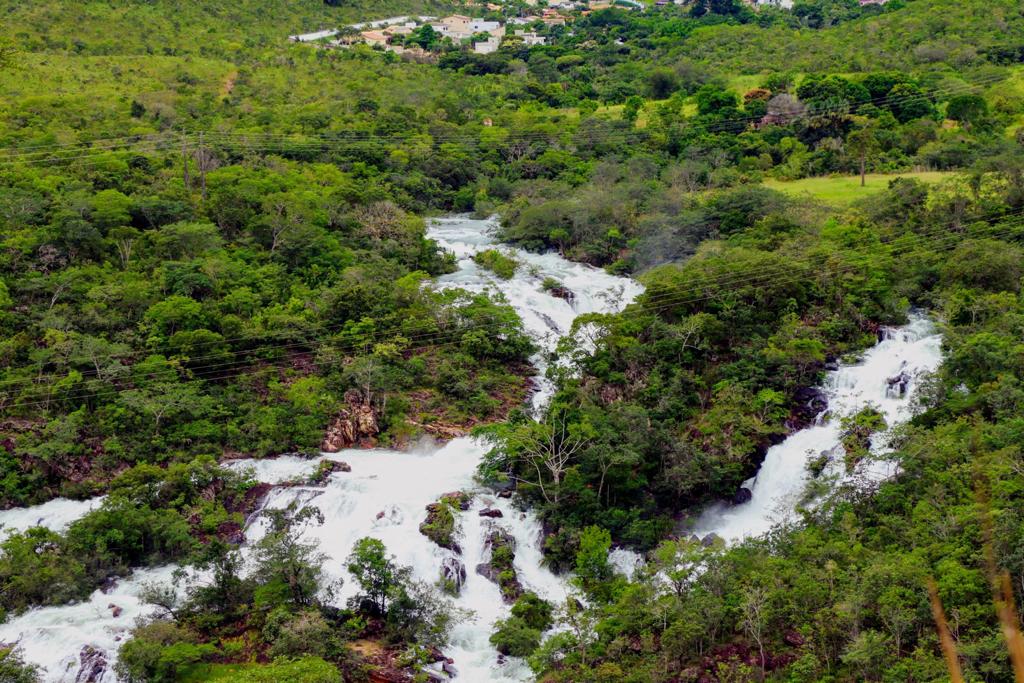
[{"x": 213, "y": 244}]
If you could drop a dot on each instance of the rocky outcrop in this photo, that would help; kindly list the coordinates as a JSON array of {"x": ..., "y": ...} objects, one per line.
[
  {"x": 809, "y": 403},
  {"x": 742, "y": 496},
  {"x": 453, "y": 575},
  {"x": 440, "y": 525},
  {"x": 325, "y": 469},
  {"x": 493, "y": 513},
  {"x": 501, "y": 568},
  {"x": 355, "y": 425},
  {"x": 562, "y": 293},
  {"x": 897, "y": 386},
  {"x": 92, "y": 665}
]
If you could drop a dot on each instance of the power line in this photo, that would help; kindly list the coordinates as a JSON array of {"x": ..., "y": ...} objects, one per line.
[
  {"x": 949, "y": 241},
  {"x": 431, "y": 334},
  {"x": 352, "y": 140}
]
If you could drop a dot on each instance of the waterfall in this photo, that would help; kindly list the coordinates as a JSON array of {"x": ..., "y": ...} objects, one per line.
[
  {"x": 383, "y": 496},
  {"x": 886, "y": 378}
]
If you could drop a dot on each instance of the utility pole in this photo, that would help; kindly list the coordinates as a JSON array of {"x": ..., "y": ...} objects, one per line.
[
  {"x": 202, "y": 163},
  {"x": 184, "y": 162}
]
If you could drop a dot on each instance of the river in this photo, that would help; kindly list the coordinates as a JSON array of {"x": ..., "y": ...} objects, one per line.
[
  {"x": 384, "y": 495},
  {"x": 386, "y": 491}
]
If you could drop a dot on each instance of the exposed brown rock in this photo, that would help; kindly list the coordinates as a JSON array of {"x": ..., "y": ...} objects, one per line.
[{"x": 355, "y": 424}]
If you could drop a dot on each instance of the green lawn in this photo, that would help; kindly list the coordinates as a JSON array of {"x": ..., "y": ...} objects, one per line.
[{"x": 842, "y": 190}]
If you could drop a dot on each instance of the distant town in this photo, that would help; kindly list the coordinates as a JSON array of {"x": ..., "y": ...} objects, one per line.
[{"x": 421, "y": 36}]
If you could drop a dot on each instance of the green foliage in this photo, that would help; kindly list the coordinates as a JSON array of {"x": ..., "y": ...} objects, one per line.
[
  {"x": 14, "y": 670},
  {"x": 500, "y": 264},
  {"x": 157, "y": 652}
]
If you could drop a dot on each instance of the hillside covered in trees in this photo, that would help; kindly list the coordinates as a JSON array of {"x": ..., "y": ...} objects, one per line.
[{"x": 214, "y": 245}]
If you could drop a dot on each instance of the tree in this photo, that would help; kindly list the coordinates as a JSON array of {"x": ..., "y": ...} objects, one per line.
[
  {"x": 545, "y": 448},
  {"x": 968, "y": 110},
  {"x": 289, "y": 569},
  {"x": 376, "y": 572},
  {"x": 754, "y": 619},
  {"x": 13, "y": 668},
  {"x": 862, "y": 143},
  {"x": 592, "y": 567}
]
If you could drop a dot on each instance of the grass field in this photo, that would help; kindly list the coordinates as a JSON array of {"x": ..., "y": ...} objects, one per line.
[{"x": 843, "y": 190}]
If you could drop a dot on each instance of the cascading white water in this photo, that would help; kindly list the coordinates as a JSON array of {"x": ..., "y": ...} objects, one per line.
[
  {"x": 914, "y": 349},
  {"x": 384, "y": 495},
  {"x": 54, "y": 514}
]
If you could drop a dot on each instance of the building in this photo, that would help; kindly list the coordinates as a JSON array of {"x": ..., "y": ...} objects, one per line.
[
  {"x": 531, "y": 38},
  {"x": 488, "y": 46},
  {"x": 375, "y": 38},
  {"x": 459, "y": 27}
]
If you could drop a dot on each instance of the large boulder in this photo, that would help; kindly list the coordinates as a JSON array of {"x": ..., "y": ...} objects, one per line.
[
  {"x": 898, "y": 385},
  {"x": 355, "y": 424},
  {"x": 742, "y": 496},
  {"x": 453, "y": 575},
  {"x": 92, "y": 665},
  {"x": 501, "y": 568},
  {"x": 325, "y": 469},
  {"x": 710, "y": 540}
]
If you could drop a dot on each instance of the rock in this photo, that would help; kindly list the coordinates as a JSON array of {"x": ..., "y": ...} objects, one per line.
[
  {"x": 493, "y": 513},
  {"x": 832, "y": 365},
  {"x": 108, "y": 585},
  {"x": 453, "y": 573},
  {"x": 389, "y": 516},
  {"x": 809, "y": 402},
  {"x": 503, "y": 486},
  {"x": 441, "y": 525},
  {"x": 499, "y": 538},
  {"x": 325, "y": 469},
  {"x": 710, "y": 540},
  {"x": 742, "y": 496},
  {"x": 115, "y": 610},
  {"x": 353, "y": 423},
  {"x": 501, "y": 568},
  {"x": 459, "y": 499},
  {"x": 793, "y": 639},
  {"x": 92, "y": 665},
  {"x": 486, "y": 570},
  {"x": 504, "y": 494},
  {"x": 449, "y": 668},
  {"x": 897, "y": 387},
  {"x": 563, "y": 293},
  {"x": 550, "y": 322}
]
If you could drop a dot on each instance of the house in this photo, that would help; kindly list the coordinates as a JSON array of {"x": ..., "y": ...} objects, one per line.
[
  {"x": 554, "y": 20},
  {"x": 459, "y": 27},
  {"x": 375, "y": 38},
  {"x": 531, "y": 38},
  {"x": 872, "y": 2},
  {"x": 522, "y": 21},
  {"x": 488, "y": 46}
]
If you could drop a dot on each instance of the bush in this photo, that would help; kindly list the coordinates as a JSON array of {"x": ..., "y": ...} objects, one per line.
[
  {"x": 534, "y": 611},
  {"x": 502, "y": 265},
  {"x": 514, "y": 637},
  {"x": 157, "y": 652}
]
